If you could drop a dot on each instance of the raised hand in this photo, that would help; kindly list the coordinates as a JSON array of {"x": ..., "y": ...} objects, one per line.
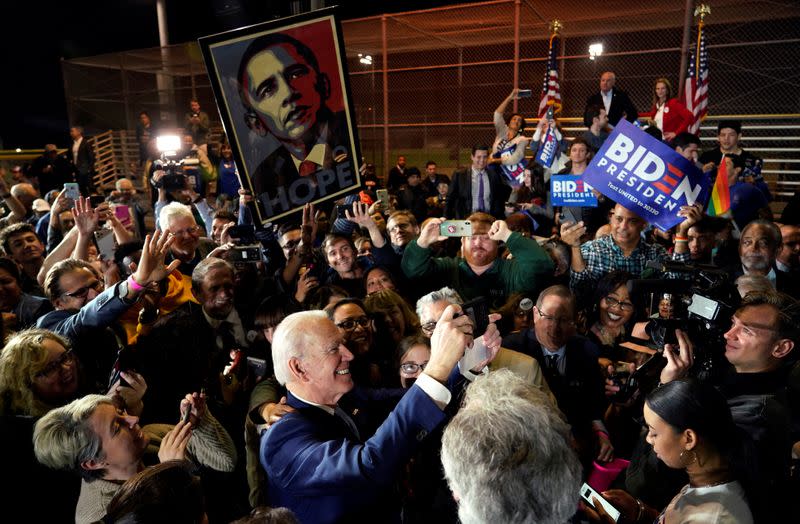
[
  {"x": 571, "y": 233},
  {"x": 430, "y": 233},
  {"x": 453, "y": 334},
  {"x": 87, "y": 219},
  {"x": 499, "y": 231},
  {"x": 678, "y": 362},
  {"x": 151, "y": 266},
  {"x": 195, "y": 404},
  {"x": 173, "y": 445}
]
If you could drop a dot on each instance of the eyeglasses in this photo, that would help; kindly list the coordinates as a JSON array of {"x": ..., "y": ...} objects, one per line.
[
  {"x": 566, "y": 322},
  {"x": 624, "y": 306},
  {"x": 351, "y": 323},
  {"x": 428, "y": 327},
  {"x": 82, "y": 292},
  {"x": 400, "y": 227},
  {"x": 189, "y": 231},
  {"x": 291, "y": 244},
  {"x": 66, "y": 357},
  {"x": 411, "y": 368}
]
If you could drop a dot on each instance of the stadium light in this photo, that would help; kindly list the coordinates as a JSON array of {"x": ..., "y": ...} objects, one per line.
[
  {"x": 595, "y": 50},
  {"x": 365, "y": 59}
]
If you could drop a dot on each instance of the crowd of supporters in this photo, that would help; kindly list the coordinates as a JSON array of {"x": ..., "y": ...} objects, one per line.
[{"x": 166, "y": 360}]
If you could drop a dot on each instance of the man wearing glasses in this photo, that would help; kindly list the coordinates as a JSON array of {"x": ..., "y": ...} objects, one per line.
[
  {"x": 430, "y": 309},
  {"x": 188, "y": 247},
  {"x": 569, "y": 362},
  {"x": 402, "y": 228},
  {"x": 86, "y": 313}
]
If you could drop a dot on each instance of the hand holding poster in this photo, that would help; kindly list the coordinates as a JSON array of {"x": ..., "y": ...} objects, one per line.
[
  {"x": 514, "y": 173},
  {"x": 283, "y": 94},
  {"x": 646, "y": 176}
]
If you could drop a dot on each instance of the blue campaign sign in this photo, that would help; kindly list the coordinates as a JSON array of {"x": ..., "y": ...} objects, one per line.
[
  {"x": 646, "y": 176},
  {"x": 570, "y": 190}
]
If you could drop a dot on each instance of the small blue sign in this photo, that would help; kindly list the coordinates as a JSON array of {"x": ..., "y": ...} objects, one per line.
[
  {"x": 646, "y": 176},
  {"x": 570, "y": 190}
]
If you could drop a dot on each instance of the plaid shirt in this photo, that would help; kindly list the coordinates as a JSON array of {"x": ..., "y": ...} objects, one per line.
[{"x": 603, "y": 256}]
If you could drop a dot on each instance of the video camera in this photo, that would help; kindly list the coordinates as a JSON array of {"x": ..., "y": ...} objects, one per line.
[
  {"x": 176, "y": 170},
  {"x": 703, "y": 305}
]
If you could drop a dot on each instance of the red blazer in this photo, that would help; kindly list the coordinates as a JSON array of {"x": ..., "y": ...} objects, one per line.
[{"x": 677, "y": 118}]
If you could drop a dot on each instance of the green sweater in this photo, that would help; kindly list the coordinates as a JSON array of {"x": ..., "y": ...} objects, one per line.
[{"x": 529, "y": 271}]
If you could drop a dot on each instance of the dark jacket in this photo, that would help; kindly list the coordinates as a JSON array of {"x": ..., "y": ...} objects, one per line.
[
  {"x": 620, "y": 103},
  {"x": 459, "y": 197},
  {"x": 580, "y": 392}
]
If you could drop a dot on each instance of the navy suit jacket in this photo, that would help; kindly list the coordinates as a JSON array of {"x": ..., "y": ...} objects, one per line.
[{"x": 324, "y": 473}]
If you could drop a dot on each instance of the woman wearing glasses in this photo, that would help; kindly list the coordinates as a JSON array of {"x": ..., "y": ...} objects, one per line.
[
  {"x": 38, "y": 373},
  {"x": 413, "y": 355},
  {"x": 609, "y": 322}
]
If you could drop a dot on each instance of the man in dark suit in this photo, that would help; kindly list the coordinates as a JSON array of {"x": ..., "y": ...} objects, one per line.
[
  {"x": 315, "y": 457},
  {"x": 82, "y": 159},
  {"x": 477, "y": 189},
  {"x": 188, "y": 349},
  {"x": 759, "y": 245},
  {"x": 284, "y": 93},
  {"x": 569, "y": 362},
  {"x": 616, "y": 102}
]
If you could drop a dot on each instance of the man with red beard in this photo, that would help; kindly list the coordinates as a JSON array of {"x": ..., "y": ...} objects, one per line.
[{"x": 480, "y": 272}]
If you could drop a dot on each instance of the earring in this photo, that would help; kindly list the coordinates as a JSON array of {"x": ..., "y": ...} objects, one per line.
[{"x": 687, "y": 460}]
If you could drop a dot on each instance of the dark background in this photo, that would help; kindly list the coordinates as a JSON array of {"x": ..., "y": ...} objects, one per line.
[{"x": 36, "y": 35}]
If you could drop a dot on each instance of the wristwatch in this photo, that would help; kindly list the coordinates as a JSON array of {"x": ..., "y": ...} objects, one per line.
[{"x": 125, "y": 293}]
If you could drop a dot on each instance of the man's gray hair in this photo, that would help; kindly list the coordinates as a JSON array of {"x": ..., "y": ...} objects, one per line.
[
  {"x": 447, "y": 294},
  {"x": 507, "y": 457},
  {"x": 204, "y": 267},
  {"x": 291, "y": 339},
  {"x": 64, "y": 439},
  {"x": 170, "y": 211}
]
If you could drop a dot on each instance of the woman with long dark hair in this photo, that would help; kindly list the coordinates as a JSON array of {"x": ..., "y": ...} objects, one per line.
[{"x": 689, "y": 426}]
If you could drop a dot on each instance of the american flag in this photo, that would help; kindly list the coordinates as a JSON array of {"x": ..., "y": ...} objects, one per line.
[
  {"x": 551, "y": 92},
  {"x": 696, "y": 90}
]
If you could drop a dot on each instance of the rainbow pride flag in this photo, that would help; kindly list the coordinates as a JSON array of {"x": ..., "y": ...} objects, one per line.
[{"x": 720, "y": 201}]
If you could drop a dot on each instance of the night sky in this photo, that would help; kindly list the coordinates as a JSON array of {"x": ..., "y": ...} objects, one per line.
[{"x": 36, "y": 35}]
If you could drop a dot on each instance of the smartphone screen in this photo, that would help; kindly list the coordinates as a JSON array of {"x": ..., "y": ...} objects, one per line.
[
  {"x": 104, "y": 240},
  {"x": 455, "y": 228},
  {"x": 589, "y": 494},
  {"x": 524, "y": 93}
]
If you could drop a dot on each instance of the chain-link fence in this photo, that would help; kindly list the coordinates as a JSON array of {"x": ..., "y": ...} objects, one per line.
[
  {"x": 437, "y": 75},
  {"x": 446, "y": 70}
]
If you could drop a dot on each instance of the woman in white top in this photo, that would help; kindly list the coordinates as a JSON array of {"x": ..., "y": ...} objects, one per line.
[
  {"x": 690, "y": 427},
  {"x": 508, "y": 134}
]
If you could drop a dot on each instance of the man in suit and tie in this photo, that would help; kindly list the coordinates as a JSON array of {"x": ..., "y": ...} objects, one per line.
[
  {"x": 616, "y": 102},
  {"x": 569, "y": 363},
  {"x": 285, "y": 93},
  {"x": 316, "y": 459},
  {"x": 477, "y": 189},
  {"x": 82, "y": 159}
]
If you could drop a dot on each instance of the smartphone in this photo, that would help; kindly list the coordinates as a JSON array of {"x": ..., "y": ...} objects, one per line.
[
  {"x": 125, "y": 362},
  {"x": 383, "y": 196},
  {"x": 72, "y": 191},
  {"x": 96, "y": 200},
  {"x": 588, "y": 494},
  {"x": 455, "y": 228},
  {"x": 104, "y": 240},
  {"x": 244, "y": 233},
  {"x": 187, "y": 414},
  {"x": 550, "y": 112},
  {"x": 258, "y": 366},
  {"x": 478, "y": 311},
  {"x": 524, "y": 93},
  {"x": 250, "y": 253},
  {"x": 123, "y": 214},
  {"x": 567, "y": 215},
  {"x": 342, "y": 208}
]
